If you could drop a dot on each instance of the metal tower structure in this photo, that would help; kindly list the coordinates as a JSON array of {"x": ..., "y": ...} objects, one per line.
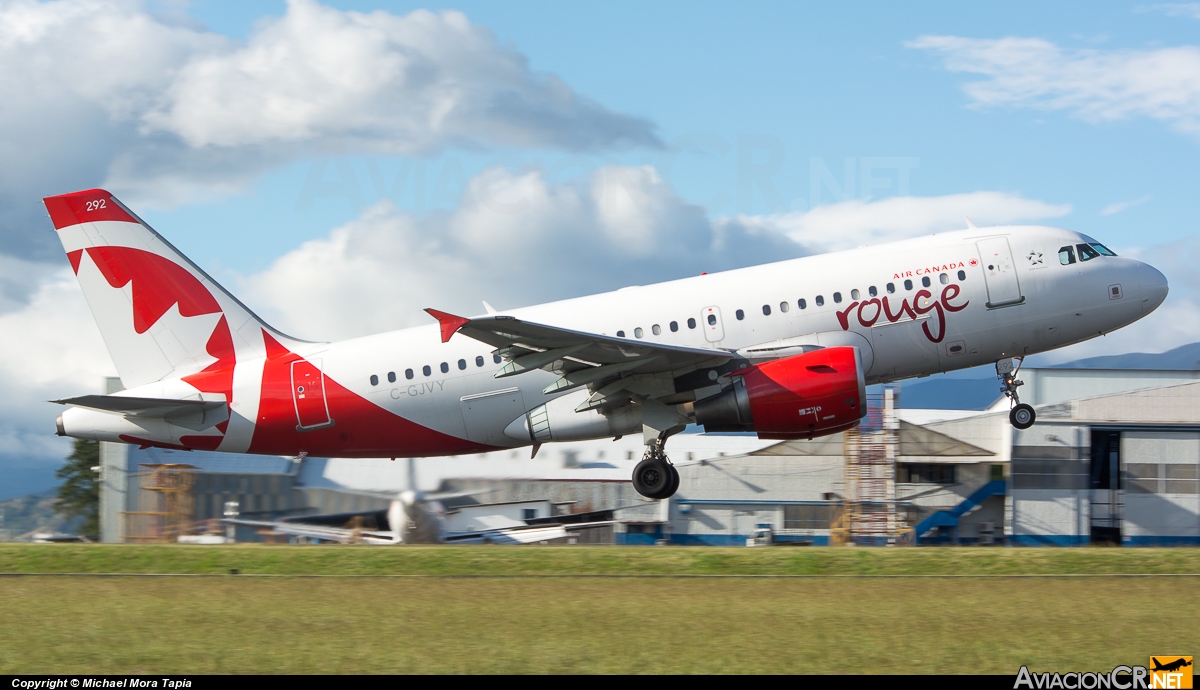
[
  {"x": 165, "y": 504},
  {"x": 869, "y": 514}
]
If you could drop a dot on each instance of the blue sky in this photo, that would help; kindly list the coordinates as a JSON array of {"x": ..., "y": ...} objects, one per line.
[
  {"x": 340, "y": 166},
  {"x": 789, "y": 82}
]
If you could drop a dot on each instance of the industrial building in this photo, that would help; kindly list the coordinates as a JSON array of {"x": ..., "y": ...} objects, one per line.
[{"x": 1114, "y": 457}]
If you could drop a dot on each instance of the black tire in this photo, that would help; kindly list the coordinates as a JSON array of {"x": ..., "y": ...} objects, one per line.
[
  {"x": 651, "y": 477},
  {"x": 673, "y": 486},
  {"x": 1022, "y": 416}
]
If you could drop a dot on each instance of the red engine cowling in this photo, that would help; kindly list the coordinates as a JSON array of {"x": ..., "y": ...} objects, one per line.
[{"x": 803, "y": 396}]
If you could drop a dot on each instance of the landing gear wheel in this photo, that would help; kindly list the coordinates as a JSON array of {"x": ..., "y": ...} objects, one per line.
[
  {"x": 1022, "y": 416},
  {"x": 674, "y": 486},
  {"x": 653, "y": 476}
]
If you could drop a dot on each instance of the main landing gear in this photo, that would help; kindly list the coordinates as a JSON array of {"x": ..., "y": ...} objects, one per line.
[
  {"x": 655, "y": 476},
  {"x": 1021, "y": 415}
]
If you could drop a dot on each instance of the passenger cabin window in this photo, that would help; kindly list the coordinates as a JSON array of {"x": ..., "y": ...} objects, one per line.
[
  {"x": 462, "y": 364},
  {"x": 908, "y": 285},
  {"x": 426, "y": 370},
  {"x": 1066, "y": 256},
  {"x": 1086, "y": 253},
  {"x": 943, "y": 278},
  {"x": 391, "y": 377},
  {"x": 962, "y": 275},
  {"x": 712, "y": 319},
  {"x": 445, "y": 368},
  {"x": 478, "y": 362},
  {"x": 766, "y": 310},
  {"x": 691, "y": 323},
  {"x": 1103, "y": 250},
  {"x": 496, "y": 359},
  {"x": 820, "y": 300},
  {"x": 784, "y": 306},
  {"x": 675, "y": 326},
  {"x": 802, "y": 304},
  {"x": 854, "y": 293},
  {"x": 739, "y": 314},
  {"x": 620, "y": 334},
  {"x": 837, "y": 298},
  {"x": 374, "y": 380},
  {"x": 872, "y": 291},
  {"x": 408, "y": 373},
  {"x": 637, "y": 332},
  {"x": 656, "y": 329},
  {"x": 891, "y": 288},
  {"x": 925, "y": 281}
]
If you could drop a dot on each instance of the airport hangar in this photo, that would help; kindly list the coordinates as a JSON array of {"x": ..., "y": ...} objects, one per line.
[{"x": 1114, "y": 457}]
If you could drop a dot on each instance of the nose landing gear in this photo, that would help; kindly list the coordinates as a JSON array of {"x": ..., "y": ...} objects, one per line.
[
  {"x": 655, "y": 477},
  {"x": 1021, "y": 415}
]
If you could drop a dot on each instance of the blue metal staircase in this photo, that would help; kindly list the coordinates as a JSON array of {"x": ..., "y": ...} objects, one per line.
[{"x": 949, "y": 518}]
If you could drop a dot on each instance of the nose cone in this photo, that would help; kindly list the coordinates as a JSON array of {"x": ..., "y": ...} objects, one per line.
[{"x": 1153, "y": 287}]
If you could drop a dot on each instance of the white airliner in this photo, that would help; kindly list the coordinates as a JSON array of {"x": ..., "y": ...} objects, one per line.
[{"x": 785, "y": 350}]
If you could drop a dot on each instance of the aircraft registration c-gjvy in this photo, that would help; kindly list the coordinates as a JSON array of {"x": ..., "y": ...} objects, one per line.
[{"x": 785, "y": 350}]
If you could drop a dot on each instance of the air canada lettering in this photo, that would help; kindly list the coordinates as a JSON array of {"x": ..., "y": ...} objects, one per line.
[
  {"x": 925, "y": 270},
  {"x": 868, "y": 312}
]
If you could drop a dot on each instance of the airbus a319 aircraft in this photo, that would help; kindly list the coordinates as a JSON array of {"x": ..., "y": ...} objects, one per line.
[{"x": 785, "y": 349}]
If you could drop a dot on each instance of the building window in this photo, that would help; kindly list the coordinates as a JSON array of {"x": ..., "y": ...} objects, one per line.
[
  {"x": 426, "y": 370},
  {"x": 391, "y": 377},
  {"x": 479, "y": 361},
  {"x": 445, "y": 367},
  {"x": 926, "y": 473},
  {"x": 675, "y": 326},
  {"x": 462, "y": 364},
  {"x": 374, "y": 380},
  {"x": 529, "y": 513},
  {"x": 766, "y": 310},
  {"x": 691, "y": 323},
  {"x": 408, "y": 373},
  {"x": 739, "y": 314},
  {"x": 820, "y": 300},
  {"x": 656, "y": 329}
]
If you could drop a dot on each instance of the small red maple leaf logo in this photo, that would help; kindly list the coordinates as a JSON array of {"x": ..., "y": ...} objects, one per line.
[{"x": 974, "y": 262}]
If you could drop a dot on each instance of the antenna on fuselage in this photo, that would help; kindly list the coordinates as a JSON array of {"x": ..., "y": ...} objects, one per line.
[{"x": 970, "y": 224}]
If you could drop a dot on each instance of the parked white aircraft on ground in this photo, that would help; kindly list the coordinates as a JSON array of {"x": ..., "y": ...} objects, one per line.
[{"x": 784, "y": 349}]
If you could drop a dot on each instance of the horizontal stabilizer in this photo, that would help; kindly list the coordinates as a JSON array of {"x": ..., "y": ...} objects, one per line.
[{"x": 143, "y": 407}]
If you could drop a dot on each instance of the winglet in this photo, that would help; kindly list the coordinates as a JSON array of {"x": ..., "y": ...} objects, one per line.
[
  {"x": 449, "y": 322},
  {"x": 970, "y": 224}
]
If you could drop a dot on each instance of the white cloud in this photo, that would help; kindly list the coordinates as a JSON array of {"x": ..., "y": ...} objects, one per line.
[
  {"x": 52, "y": 349},
  {"x": 1173, "y": 9},
  {"x": 106, "y": 93},
  {"x": 1118, "y": 206},
  {"x": 515, "y": 240},
  {"x": 1095, "y": 85},
  {"x": 859, "y": 222}
]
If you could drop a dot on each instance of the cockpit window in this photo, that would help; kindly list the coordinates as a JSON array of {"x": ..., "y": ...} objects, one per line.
[
  {"x": 1086, "y": 253},
  {"x": 1103, "y": 250},
  {"x": 1066, "y": 256}
]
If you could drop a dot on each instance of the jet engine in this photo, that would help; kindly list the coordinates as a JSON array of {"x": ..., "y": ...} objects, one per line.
[{"x": 802, "y": 396}]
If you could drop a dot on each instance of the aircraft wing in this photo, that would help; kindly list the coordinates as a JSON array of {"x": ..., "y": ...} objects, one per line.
[{"x": 527, "y": 345}]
